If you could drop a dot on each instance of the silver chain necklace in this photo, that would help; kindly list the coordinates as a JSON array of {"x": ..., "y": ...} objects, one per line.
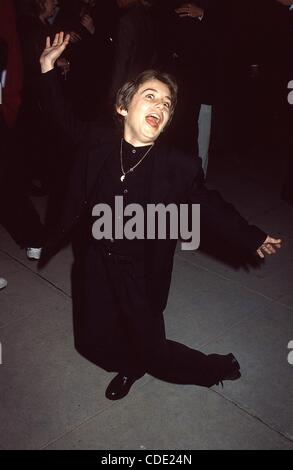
[{"x": 131, "y": 170}]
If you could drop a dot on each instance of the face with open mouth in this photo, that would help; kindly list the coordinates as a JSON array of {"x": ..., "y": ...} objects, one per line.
[{"x": 148, "y": 113}]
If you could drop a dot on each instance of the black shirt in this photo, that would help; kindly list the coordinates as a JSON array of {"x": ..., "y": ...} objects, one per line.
[{"x": 134, "y": 189}]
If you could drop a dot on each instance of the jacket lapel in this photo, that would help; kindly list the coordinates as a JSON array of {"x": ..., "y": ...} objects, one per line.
[
  {"x": 160, "y": 182},
  {"x": 96, "y": 159}
]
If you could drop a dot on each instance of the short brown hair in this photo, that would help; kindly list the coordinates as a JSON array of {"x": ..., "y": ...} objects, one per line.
[{"x": 126, "y": 93}]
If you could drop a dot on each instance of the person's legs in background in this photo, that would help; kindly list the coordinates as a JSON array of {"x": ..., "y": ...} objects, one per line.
[
  {"x": 3, "y": 283},
  {"x": 204, "y": 134},
  {"x": 17, "y": 213}
]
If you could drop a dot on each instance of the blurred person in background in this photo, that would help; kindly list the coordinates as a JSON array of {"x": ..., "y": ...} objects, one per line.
[
  {"x": 136, "y": 42},
  {"x": 190, "y": 33},
  {"x": 17, "y": 213},
  {"x": 42, "y": 165},
  {"x": 273, "y": 23}
]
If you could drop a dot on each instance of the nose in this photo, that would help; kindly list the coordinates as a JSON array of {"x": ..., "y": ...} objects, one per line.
[{"x": 160, "y": 104}]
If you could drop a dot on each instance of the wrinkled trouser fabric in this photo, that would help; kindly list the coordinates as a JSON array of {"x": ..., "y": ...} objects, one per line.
[{"x": 118, "y": 331}]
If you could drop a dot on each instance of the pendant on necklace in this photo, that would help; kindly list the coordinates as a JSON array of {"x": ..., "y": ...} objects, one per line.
[{"x": 122, "y": 178}]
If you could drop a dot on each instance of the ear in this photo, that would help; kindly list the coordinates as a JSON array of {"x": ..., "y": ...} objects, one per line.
[{"x": 121, "y": 111}]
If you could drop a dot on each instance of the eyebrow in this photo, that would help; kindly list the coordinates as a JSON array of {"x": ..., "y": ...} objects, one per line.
[{"x": 156, "y": 91}]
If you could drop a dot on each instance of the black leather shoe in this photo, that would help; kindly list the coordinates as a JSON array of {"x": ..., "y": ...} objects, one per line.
[
  {"x": 234, "y": 363},
  {"x": 233, "y": 370},
  {"x": 229, "y": 368},
  {"x": 119, "y": 387}
]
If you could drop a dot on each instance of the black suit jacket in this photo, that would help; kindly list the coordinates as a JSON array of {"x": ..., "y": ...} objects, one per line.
[
  {"x": 191, "y": 51},
  {"x": 274, "y": 25},
  {"x": 136, "y": 46},
  {"x": 176, "y": 178}
]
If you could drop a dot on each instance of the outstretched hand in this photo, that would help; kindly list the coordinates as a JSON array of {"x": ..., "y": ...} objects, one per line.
[
  {"x": 191, "y": 10},
  {"x": 52, "y": 52},
  {"x": 88, "y": 23},
  {"x": 269, "y": 247}
]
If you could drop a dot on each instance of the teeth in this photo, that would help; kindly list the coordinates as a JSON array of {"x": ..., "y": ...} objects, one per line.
[{"x": 155, "y": 116}]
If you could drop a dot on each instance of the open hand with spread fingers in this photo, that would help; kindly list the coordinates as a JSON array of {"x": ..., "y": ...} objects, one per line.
[
  {"x": 191, "y": 10},
  {"x": 269, "y": 247},
  {"x": 52, "y": 52},
  {"x": 88, "y": 23}
]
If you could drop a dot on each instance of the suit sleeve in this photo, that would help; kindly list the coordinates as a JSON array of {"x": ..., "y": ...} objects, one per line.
[
  {"x": 222, "y": 220},
  {"x": 54, "y": 104}
]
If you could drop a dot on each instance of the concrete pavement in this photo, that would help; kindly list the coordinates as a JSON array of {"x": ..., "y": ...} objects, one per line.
[{"x": 52, "y": 398}]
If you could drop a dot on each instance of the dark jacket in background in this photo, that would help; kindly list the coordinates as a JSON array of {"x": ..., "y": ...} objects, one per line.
[
  {"x": 91, "y": 58},
  {"x": 195, "y": 47},
  {"x": 191, "y": 51},
  {"x": 275, "y": 38},
  {"x": 3, "y": 55},
  {"x": 136, "y": 45},
  {"x": 12, "y": 91}
]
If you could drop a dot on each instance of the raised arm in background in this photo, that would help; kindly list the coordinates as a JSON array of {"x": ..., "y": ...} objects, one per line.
[{"x": 53, "y": 101}]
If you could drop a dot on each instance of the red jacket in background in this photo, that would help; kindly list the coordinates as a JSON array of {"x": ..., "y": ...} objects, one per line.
[{"x": 12, "y": 91}]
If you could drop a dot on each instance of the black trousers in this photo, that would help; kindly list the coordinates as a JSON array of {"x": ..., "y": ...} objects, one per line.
[
  {"x": 118, "y": 331},
  {"x": 17, "y": 213}
]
